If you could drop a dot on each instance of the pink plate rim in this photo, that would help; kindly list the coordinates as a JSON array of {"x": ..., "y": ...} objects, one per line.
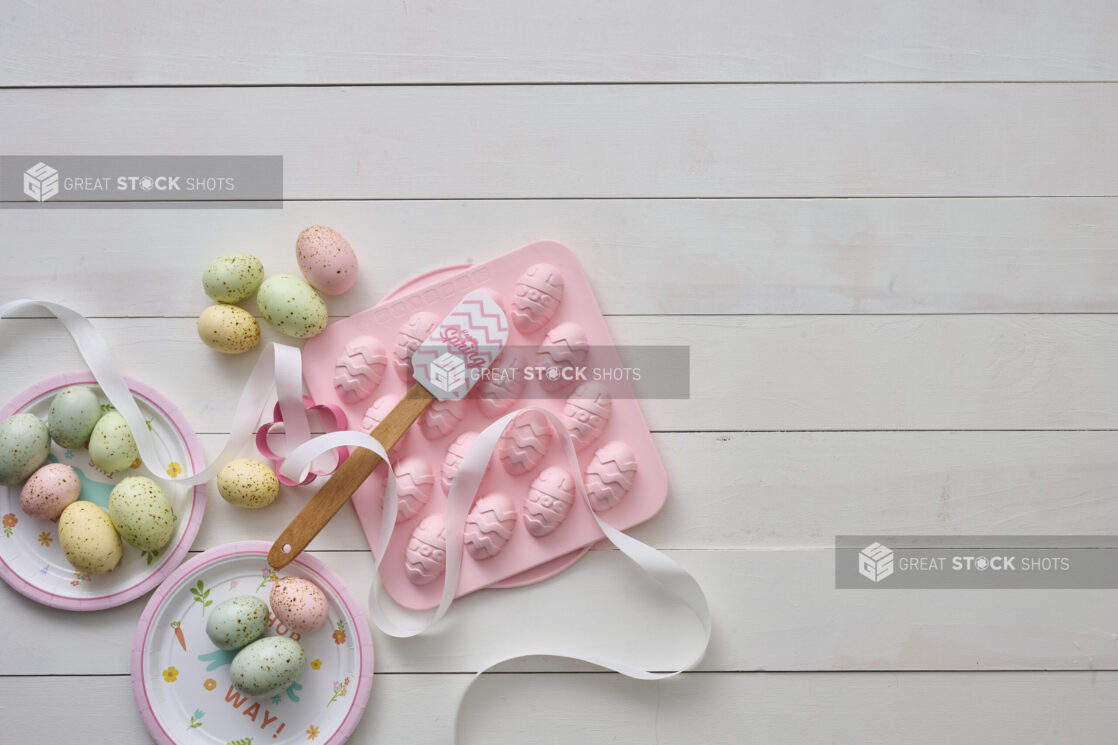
[
  {"x": 198, "y": 505},
  {"x": 260, "y": 548}
]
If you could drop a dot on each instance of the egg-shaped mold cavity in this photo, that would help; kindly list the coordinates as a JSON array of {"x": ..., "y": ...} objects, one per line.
[
  {"x": 536, "y": 297},
  {"x": 489, "y": 526},
  {"x": 441, "y": 418},
  {"x": 413, "y": 333},
  {"x": 376, "y": 413},
  {"x": 414, "y": 482},
  {"x": 502, "y": 384},
  {"x": 359, "y": 369},
  {"x": 586, "y": 413},
  {"x": 454, "y": 455},
  {"x": 549, "y": 500},
  {"x": 561, "y": 354},
  {"x": 609, "y": 477},
  {"x": 524, "y": 442},
  {"x": 425, "y": 556}
]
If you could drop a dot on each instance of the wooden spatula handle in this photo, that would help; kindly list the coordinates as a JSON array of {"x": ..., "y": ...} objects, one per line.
[{"x": 349, "y": 476}]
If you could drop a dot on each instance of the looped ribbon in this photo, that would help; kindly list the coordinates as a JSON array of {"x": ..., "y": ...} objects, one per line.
[{"x": 280, "y": 366}]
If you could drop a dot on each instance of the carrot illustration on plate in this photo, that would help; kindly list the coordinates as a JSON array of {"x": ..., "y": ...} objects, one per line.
[{"x": 178, "y": 633}]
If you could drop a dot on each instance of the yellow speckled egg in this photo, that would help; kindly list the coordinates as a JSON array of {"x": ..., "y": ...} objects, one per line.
[
  {"x": 292, "y": 306},
  {"x": 228, "y": 329},
  {"x": 141, "y": 513},
  {"x": 247, "y": 483},
  {"x": 88, "y": 538},
  {"x": 111, "y": 446},
  {"x": 232, "y": 278}
]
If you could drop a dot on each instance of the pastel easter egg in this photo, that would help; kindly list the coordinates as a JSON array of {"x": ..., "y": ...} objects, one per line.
[
  {"x": 326, "y": 259},
  {"x": 247, "y": 483},
  {"x": 414, "y": 482},
  {"x": 230, "y": 329},
  {"x": 88, "y": 539},
  {"x": 454, "y": 455},
  {"x": 111, "y": 446},
  {"x": 359, "y": 369},
  {"x": 549, "y": 501},
  {"x": 49, "y": 491},
  {"x": 504, "y": 381},
  {"x": 537, "y": 296},
  {"x": 562, "y": 353},
  {"x": 24, "y": 446},
  {"x": 489, "y": 526},
  {"x": 425, "y": 556},
  {"x": 299, "y": 604},
  {"x": 267, "y": 666},
  {"x": 141, "y": 513},
  {"x": 73, "y": 414},
  {"x": 609, "y": 477},
  {"x": 586, "y": 413},
  {"x": 232, "y": 278},
  {"x": 524, "y": 442},
  {"x": 292, "y": 306},
  {"x": 413, "y": 333},
  {"x": 441, "y": 417},
  {"x": 237, "y": 622}
]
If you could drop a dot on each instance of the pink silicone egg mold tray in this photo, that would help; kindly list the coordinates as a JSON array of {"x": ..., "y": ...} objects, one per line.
[{"x": 527, "y": 512}]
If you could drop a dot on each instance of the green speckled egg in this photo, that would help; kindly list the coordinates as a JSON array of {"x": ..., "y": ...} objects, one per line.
[
  {"x": 88, "y": 539},
  {"x": 267, "y": 666},
  {"x": 24, "y": 446},
  {"x": 111, "y": 446},
  {"x": 235, "y": 622},
  {"x": 141, "y": 513},
  {"x": 228, "y": 329},
  {"x": 232, "y": 278},
  {"x": 247, "y": 483},
  {"x": 292, "y": 306},
  {"x": 73, "y": 415}
]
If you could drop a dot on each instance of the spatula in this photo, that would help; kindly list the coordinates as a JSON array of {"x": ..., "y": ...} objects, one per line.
[{"x": 445, "y": 366}]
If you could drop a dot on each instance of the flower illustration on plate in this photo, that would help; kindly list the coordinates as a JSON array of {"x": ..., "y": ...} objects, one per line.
[
  {"x": 69, "y": 454},
  {"x": 171, "y": 674},
  {"x": 312, "y": 732},
  {"x": 316, "y": 664},
  {"x": 339, "y": 690},
  {"x": 196, "y": 719},
  {"x": 339, "y": 633},
  {"x": 174, "y": 469},
  {"x": 209, "y": 684},
  {"x": 201, "y": 595},
  {"x": 9, "y": 522},
  {"x": 269, "y": 575},
  {"x": 45, "y": 538},
  {"x": 232, "y": 584}
]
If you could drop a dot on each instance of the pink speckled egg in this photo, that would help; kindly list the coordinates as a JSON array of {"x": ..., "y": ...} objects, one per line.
[
  {"x": 454, "y": 455},
  {"x": 586, "y": 413},
  {"x": 489, "y": 526},
  {"x": 299, "y": 604},
  {"x": 524, "y": 442},
  {"x": 425, "y": 556},
  {"x": 538, "y": 294},
  {"x": 609, "y": 477},
  {"x": 414, "y": 482},
  {"x": 412, "y": 334},
  {"x": 549, "y": 500},
  {"x": 51, "y": 489},
  {"x": 562, "y": 353},
  {"x": 326, "y": 260}
]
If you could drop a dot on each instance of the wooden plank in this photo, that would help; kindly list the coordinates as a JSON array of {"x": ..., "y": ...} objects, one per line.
[
  {"x": 609, "y": 141},
  {"x": 138, "y": 43},
  {"x": 747, "y": 372},
  {"x": 800, "y": 709},
  {"x": 773, "y": 610},
  {"x": 739, "y": 256},
  {"x": 779, "y": 489}
]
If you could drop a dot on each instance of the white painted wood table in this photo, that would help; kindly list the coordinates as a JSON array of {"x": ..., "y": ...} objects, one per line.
[{"x": 887, "y": 231}]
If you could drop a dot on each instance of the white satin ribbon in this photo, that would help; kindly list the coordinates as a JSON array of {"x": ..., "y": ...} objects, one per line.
[{"x": 279, "y": 367}]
